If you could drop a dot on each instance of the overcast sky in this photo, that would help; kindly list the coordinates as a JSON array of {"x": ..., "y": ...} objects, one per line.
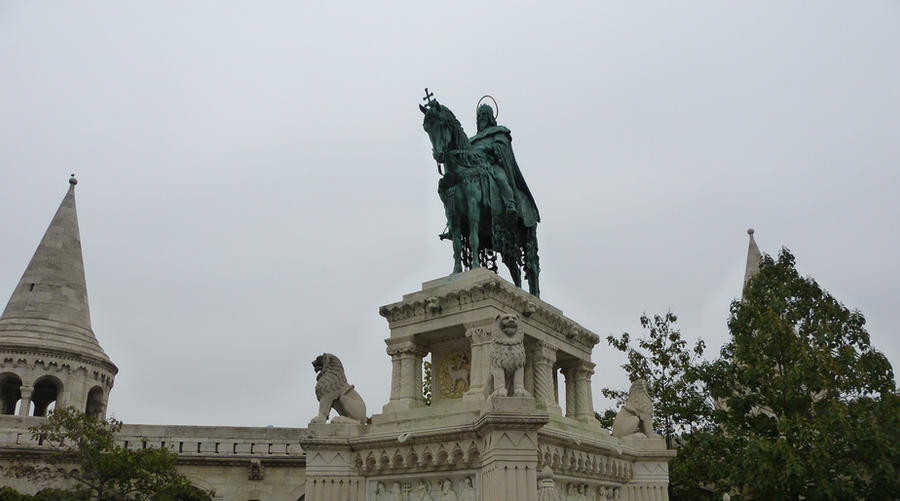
[{"x": 255, "y": 181}]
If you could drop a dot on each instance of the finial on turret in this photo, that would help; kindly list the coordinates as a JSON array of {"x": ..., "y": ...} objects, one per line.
[
  {"x": 750, "y": 231},
  {"x": 72, "y": 180}
]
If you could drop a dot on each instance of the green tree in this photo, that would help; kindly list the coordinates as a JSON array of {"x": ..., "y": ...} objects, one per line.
[
  {"x": 807, "y": 409},
  {"x": 664, "y": 359},
  {"x": 104, "y": 470}
]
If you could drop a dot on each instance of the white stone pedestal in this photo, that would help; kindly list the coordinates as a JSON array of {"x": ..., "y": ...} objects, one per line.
[{"x": 484, "y": 448}]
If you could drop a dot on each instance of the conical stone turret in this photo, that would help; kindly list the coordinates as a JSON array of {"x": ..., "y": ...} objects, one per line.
[
  {"x": 754, "y": 257},
  {"x": 48, "y": 351}
]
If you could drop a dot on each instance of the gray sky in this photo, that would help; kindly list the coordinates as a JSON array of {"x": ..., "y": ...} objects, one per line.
[{"x": 255, "y": 181}]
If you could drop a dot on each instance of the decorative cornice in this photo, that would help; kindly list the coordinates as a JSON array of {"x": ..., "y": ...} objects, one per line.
[
  {"x": 80, "y": 359},
  {"x": 419, "y": 307}
]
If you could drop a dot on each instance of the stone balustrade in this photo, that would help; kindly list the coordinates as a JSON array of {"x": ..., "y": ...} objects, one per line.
[{"x": 197, "y": 442}]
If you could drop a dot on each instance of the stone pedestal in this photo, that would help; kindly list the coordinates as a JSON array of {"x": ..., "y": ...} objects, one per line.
[
  {"x": 330, "y": 472},
  {"x": 509, "y": 461},
  {"x": 471, "y": 444}
]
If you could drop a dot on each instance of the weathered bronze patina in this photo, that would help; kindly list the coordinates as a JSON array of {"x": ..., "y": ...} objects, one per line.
[{"x": 489, "y": 208}]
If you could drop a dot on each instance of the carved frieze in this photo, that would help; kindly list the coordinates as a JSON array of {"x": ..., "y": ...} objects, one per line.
[
  {"x": 457, "y": 486},
  {"x": 418, "y": 458}
]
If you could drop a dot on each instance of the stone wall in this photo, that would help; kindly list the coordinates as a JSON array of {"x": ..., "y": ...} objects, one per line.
[{"x": 237, "y": 463}]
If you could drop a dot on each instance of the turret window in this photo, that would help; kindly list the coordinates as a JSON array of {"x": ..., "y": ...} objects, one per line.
[
  {"x": 10, "y": 393},
  {"x": 46, "y": 392},
  {"x": 96, "y": 403}
]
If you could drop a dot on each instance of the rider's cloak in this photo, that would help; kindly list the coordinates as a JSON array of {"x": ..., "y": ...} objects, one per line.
[{"x": 497, "y": 142}]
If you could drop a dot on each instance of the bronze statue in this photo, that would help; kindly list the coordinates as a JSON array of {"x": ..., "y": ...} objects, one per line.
[{"x": 489, "y": 208}]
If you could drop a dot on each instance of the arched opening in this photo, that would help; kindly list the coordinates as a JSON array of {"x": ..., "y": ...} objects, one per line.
[
  {"x": 10, "y": 393},
  {"x": 96, "y": 404},
  {"x": 46, "y": 391}
]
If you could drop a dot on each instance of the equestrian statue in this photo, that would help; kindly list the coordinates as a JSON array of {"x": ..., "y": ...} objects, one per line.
[{"x": 490, "y": 210}]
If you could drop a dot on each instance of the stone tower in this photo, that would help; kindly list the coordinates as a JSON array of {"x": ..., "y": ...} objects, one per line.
[{"x": 48, "y": 353}]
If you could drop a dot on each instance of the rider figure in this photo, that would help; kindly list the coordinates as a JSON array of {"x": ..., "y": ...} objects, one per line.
[
  {"x": 497, "y": 142},
  {"x": 485, "y": 120}
]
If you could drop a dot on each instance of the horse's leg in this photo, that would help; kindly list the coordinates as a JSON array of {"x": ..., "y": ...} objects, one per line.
[
  {"x": 532, "y": 264},
  {"x": 513, "y": 268},
  {"x": 474, "y": 220},
  {"x": 453, "y": 227},
  {"x": 457, "y": 250}
]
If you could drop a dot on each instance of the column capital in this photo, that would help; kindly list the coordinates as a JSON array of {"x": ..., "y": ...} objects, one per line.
[
  {"x": 26, "y": 391},
  {"x": 568, "y": 370},
  {"x": 584, "y": 368},
  {"x": 479, "y": 335},
  {"x": 544, "y": 352},
  {"x": 407, "y": 347}
]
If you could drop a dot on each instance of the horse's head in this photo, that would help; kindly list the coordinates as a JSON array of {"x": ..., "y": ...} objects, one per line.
[{"x": 441, "y": 126}]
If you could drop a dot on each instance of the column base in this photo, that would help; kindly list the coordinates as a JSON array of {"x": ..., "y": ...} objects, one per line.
[
  {"x": 402, "y": 405},
  {"x": 550, "y": 408}
]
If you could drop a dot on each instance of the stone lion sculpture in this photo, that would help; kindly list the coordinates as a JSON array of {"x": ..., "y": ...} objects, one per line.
[
  {"x": 508, "y": 357},
  {"x": 636, "y": 416},
  {"x": 334, "y": 392}
]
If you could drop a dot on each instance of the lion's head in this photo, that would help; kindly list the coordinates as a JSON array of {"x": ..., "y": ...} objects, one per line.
[
  {"x": 639, "y": 397},
  {"x": 508, "y": 324},
  {"x": 331, "y": 377}
]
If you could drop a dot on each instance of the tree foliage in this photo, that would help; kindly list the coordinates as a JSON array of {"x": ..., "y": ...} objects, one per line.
[
  {"x": 807, "y": 409},
  {"x": 106, "y": 471},
  {"x": 664, "y": 359}
]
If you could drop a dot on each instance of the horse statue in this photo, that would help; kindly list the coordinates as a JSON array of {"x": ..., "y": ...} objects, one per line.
[{"x": 489, "y": 208}]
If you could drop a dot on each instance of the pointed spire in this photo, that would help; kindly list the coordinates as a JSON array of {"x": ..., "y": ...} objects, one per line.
[
  {"x": 753, "y": 259},
  {"x": 49, "y": 307}
]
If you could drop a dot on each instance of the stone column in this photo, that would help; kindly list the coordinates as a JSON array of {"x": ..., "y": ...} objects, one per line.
[
  {"x": 395, "y": 375},
  {"x": 26, "y": 400},
  {"x": 544, "y": 388},
  {"x": 571, "y": 392},
  {"x": 406, "y": 376},
  {"x": 584, "y": 400},
  {"x": 554, "y": 374},
  {"x": 480, "y": 338}
]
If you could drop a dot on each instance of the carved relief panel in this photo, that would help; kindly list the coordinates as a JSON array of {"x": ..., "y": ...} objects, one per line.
[
  {"x": 453, "y": 373},
  {"x": 448, "y": 486}
]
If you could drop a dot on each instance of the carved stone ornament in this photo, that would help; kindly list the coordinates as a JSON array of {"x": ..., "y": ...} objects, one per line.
[
  {"x": 334, "y": 392},
  {"x": 636, "y": 416},
  {"x": 454, "y": 372},
  {"x": 433, "y": 304},
  {"x": 256, "y": 470}
]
